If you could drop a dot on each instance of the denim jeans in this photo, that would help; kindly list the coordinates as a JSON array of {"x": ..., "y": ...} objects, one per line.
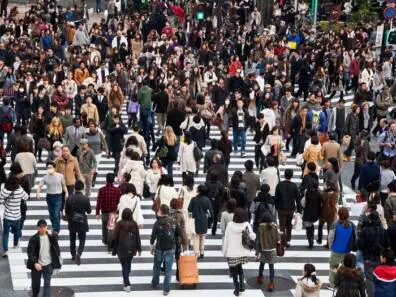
[
  {"x": 54, "y": 202},
  {"x": 15, "y": 226},
  {"x": 126, "y": 269},
  {"x": 166, "y": 257},
  {"x": 145, "y": 119},
  {"x": 36, "y": 278},
  {"x": 235, "y": 135},
  {"x": 169, "y": 167}
]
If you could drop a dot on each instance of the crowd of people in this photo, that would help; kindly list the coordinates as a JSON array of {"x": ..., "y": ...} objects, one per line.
[{"x": 178, "y": 69}]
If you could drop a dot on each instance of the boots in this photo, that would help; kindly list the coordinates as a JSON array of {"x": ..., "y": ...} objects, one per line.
[
  {"x": 310, "y": 235},
  {"x": 241, "y": 280},
  {"x": 94, "y": 179},
  {"x": 235, "y": 279},
  {"x": 271, "y": 286}
]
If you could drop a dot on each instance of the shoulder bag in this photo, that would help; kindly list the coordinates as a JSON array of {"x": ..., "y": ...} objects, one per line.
[
  {"x": 181, "y": 197},
  {"x": 247, "y": 243},
  {"x": 157, "y": 201}
]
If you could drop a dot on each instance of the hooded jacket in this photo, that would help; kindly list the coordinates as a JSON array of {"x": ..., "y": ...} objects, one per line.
[
  {"x": 232, "y": 244},
  {"x": 307, "y": 288},
  {"x": 122, "y": 231},
  {"x": 384, "y": 277}
]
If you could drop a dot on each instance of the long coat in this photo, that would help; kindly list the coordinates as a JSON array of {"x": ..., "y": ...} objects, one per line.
[
  {"x": 78, "y": 203},
  {"x": 312, "y": 154},
  {"x": 201, "y": 210},
  {"x": 313, "y": 203},
  {"x": 350, "y": 283}
]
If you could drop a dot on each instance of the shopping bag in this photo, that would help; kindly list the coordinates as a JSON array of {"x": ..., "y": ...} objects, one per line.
[
  {"x": 297, "y": 222},
  {"x": 299, "y": 160},
  {"x": 265, "y": 150},
  {"x": 188, "y": 269},
  {"x": 111, "y": 220},
  {"x": 190, "y": 227}
]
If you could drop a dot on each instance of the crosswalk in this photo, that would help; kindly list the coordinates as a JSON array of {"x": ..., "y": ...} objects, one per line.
[{"x": 100, "y": 272}]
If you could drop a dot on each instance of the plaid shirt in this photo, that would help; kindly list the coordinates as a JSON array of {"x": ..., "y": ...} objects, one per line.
[{"x": 108, "y": 198}]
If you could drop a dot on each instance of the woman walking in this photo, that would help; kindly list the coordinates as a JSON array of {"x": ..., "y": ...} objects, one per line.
[
  {"x": 201, "y": 211},
  {"x": 185, "y": 158},
  {"x": 126, "y": 244},
  {"x": 37, "y": 127},
  {"x": 309, "y": 284},
  {"x": 312, "y": 203},
  {"x": 312, "y": 154},
  {"x": 233, "y": 249},
  {"x": 153, "y": 176},
  {"x": 332, "y": 175},
  {"x": 328, "y": 212},
  {"x": 349, "y": 280},
  {"x": 167, "y": 149},
  {"x": 130, "y": 200}
]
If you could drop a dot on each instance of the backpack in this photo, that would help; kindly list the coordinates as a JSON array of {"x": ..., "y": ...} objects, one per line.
[
  {"x": 315, "y": 120},
  {"x": 6, "y": 121},
  {"x": 166, "y": 236},
  {"x": 263, "y": 211}
]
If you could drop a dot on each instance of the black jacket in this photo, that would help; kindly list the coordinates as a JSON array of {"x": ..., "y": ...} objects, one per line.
[
  {"x": 372, "y": 239},
  {"x": 286, "y": 195},
  {"x": 174, "y": 119},
  {"x": 222, "y": 173},
  {"x": 219, "y": 95},
  {"x": 313, "y": 206},
  {"x": 165, "y": 243},
  {"x": 350, "y": 283},
  {"x": 201, "y": 210},
  {"x": 208, "y": 159},
  {"x": 160, "y": 102},
  {"x": 116, "y": 137},
  {"x": 122, "y": 230},
  {"x": 33, "y": 251},
  {"x": 215, "y": 193},
  {"x": 78, "y": 203},
  {"x": 261, "y": 133},
  {"x": 198, "y": 135},
  {"x": 240, "y": 196}
]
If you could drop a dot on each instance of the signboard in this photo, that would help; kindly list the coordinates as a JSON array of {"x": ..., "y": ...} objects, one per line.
[
  {"x": 389, "y": 13},
  {"x": 379, "y": 36}
]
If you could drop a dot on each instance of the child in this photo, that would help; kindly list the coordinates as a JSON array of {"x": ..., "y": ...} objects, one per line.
[
  {"x": 133, "y": 111},
  {"x": 309, "y": 285}
]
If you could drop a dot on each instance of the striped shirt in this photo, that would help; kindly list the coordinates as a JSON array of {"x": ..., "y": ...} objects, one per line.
[{"x": 12, "y": 201}]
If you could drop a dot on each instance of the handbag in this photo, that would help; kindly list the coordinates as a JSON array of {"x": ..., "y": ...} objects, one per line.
[
  {"x": 247, "y": 243},
  {"x": 299, "y": 160},
  {"x": 157, "y": 201},
  {"x": 181, "y": 197},
  {"x": 280, "y": 249},
  {"x": 265, "y": 150},
  {"x": 206, "y": 114},
  {"x": 44, "y": 143},
  {"x": 162, "y": 151},
  {"x": 198, "y": 155},
  {"x": 111, "y": 220},
  {"x": 78, "y": 217}
]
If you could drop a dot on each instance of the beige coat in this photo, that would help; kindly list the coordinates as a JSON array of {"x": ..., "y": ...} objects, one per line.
[
  {"x": 69, "y": 168},
  {"x": 312, "y": 154},
  {"x": 91, "y": 111},
  {"x": 331, "y": 149}
]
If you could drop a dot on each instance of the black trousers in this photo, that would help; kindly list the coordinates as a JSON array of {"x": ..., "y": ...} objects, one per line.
[
  {"x": 81, "y": 242},
  {"x": 259, "y": 157},
  {"x": 46, "y": 272},
  {"x": 285, "y": 222}
]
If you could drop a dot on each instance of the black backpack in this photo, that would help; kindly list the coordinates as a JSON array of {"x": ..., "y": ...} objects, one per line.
[
  {"x": 128, "y": 242},
  {"x": 166, "y": 236}
]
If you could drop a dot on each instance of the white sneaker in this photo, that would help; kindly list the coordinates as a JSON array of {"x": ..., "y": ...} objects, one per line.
[
  {"x": 17, "y": 246},
  {"x": 127, "y": 289}
]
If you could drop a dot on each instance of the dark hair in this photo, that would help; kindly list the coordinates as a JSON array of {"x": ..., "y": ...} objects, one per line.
[
  {"x": 166, "y": 180},
  {"x": 311, "y": 166},
  {"x": 271, "y": 161},
  {"x": 12, "y": 183},
  {"x": 235, "y": 181},
  {"x": 315, "y": 139},
  {"x": 350, "y": 260},
  {"x": 239, "y": 215},
  {"x": 176, "y": 203},
  {"x": 388, "y": 254},
  {"x": 126, "y": 176},
  {"x": 231, "y": 205},
  {"x": 334, "y": 164},
  {"x": 130, "y": 188},
  {"x": 392, "y": 186},
  {"x": 288, "y": 174},
  {"x": 164, "y": 209},
  {"x": 333, "y": 136},
  {"x": 187, "y": 137},
  {"x": 188, "y": 181},
  {"x": 79, "y": 186},
  {"x": 313, "y": 185},
  {"x": 16, "y": 168},
  {"x": 49, "y": 163},
  {"x": 309, "y": 270},
  {"x": 265, "y": 188},
  {"x": 110, "y": 177},
  {"x": 127, "y": 215},
  {"x": 386, "y": 164},
  {"x": 158, "y": 162},
  {"x": 135, "y": 156},
  {"x": 197, "y": 118},
  {"x": 214, "y": 143},
  {"x": 249, "y": 165},
  {"x": 371, "y": 156},
  {"x": 203, "y": 190}
]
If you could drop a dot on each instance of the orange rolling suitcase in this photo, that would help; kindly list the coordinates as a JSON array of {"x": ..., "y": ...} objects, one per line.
[{"x": 188, "y": 270}]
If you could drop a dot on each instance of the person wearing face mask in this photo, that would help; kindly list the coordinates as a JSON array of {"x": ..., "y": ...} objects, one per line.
[{"x": 55, "y": 184}]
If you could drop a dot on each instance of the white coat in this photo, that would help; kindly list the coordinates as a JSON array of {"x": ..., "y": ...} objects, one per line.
[
  {"x": 232, "y": 244},
  {"x": 133, "y": 203},
  {"x": 166, "y": 194},
  {"x": 137, "y": 172},
  {"x": 186, "y": 158}
]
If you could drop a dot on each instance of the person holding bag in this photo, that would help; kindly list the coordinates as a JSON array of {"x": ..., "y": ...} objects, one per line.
[
  {"x": 130, "y": 200},
  {"x": 126, "y": 244},
  {"x": 234, "y": 249},
  {"x": 77, "y": 206},
  {"x": 165, "y": 192},
  {"x": 268, "y": 237}
]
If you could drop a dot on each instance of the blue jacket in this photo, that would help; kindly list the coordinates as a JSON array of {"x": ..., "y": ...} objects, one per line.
[
  {"x": 369, "y": 173},
  {"x": 322, "y": 120},
  {"x": 46, "y": 41},
  {"x": 296, "y": 39},
  {"x": 384, "y": 278},
  {"x": 342, "y": 238}
]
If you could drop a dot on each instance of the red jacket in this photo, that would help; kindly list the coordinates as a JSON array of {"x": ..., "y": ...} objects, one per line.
[{"x": 354, "y": 68}]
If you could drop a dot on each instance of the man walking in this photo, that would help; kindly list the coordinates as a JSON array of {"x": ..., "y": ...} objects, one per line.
[
  {"x": 286, "y": 199},
  {"x": 108, "y": 198},
  {"x": 87, "y": 160},
  {"x": 77, "y": 206},
  {"x": 43, "y": 257},
  {"x": 116, "y": 139},
  {"x": 163, "y": 235},
  {"x": 73, "y": 134}
]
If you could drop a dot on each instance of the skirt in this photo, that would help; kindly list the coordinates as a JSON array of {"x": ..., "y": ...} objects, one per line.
[
  {"x": 232, "y": 262},
  {"x": 268, "y": 257}
]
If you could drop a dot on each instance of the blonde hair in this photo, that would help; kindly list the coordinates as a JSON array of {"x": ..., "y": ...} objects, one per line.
[
  {"x": 170, "y": 136},
  {"x": 53, "y": 129}
]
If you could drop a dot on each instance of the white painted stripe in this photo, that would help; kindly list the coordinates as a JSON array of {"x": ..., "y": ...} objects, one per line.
[{"x": 174, "y": 293}]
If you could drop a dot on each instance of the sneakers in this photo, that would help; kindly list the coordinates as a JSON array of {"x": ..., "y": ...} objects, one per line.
[
  {"x": 166, "y": 293},
  {"x": 242, "y": 154},
  {"x": 16, "y": 246},
  {"x": 260, "y": 280},
  {"x": 127, "y": 289},
  {"x": 271, "y": 286},
  {"x": 5, "y": 255}
]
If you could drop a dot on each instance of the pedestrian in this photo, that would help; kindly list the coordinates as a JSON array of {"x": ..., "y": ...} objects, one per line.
[
  {"x": 216, "y": 197},
  {"x": 185, "y": 157},
  {"x": 167, "y": 149},
  {"x": 201, "y": 211},
  {"x": 11, "y": 196},
  {"x": 252, "y": 181},
  {"x": 165, "y": 191},
  {"x": 262, "y": 206},
  {"x": 153, "y": 176},
  {"x": 131, "y": 200},
  {"x": 342, "y": 240},
  {"x": 309, "y": 284},
  {"x": 286, "y": 202},
  {"x": 239, "y": 120},
  {"x": 387, "y": 176},
  {"x": 219, "y": 168},
  {"x": 116, "y": 133},
  {"x": 332, "y": 175},
  {"x": 106, "y": 204},
  {"x": 270, "y": 175},
  {"x": 87, "y": 161},
  {"x": 164, "y": 235},
  {"x": 362, "y": 148},
  {"x": 126, "y": 244},
  {"x": 227, "y": 215},
  {"x": 43, "y": 257},
  {"x": 370, "y": 175},
  {"x": 28, "y": 163},
  {"x": 313, "y": 153},
  {"x": 349, "y": 280},
  {"x": 77, "y": 208},
  {"x": 73, "y": 135},
  {"x": 312, "y": 203},
  {"x": 352, "y": 129},
  {"x": 135, "y": 168},
  {"x": 328, "y": 212},
  {"x": 233, "y": 249},
  {"x": 56, "y": 186}
]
